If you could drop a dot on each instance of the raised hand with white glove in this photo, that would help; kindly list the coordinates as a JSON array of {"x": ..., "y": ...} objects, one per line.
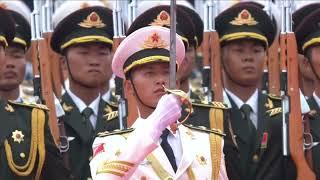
[
  {"x": 139, "y": 144},
  {"x": 167, "y": 112}
]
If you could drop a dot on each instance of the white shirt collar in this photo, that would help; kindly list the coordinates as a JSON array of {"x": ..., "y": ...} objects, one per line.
[
  {"x": 94, "y": 105},
  {"x": 18, "y": 100},
  {"x": 316, "y": 98},
  {"x": 106, "y": 96},
  {"x": 252, "y": 101}
]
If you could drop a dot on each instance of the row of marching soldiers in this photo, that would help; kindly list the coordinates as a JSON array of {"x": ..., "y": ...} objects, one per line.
[{"x": 235, "y": 132}]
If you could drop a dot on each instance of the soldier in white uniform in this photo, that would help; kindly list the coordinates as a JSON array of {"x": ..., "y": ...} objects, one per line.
[{"x": 151, "y": 149}]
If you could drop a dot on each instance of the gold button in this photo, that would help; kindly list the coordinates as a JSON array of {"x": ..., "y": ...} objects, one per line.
[
  {"x": 255, "y": 158},
  {"x": 22, "y": 155}
]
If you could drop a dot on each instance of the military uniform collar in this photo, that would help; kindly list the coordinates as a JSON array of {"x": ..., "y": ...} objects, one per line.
[
  {"x": 252, "y": 101},
  {"x": 316, "y": 98},
  {"x": 106, "y": 96},
  {"x": 226, "y": 99},
  {"x": 19, "y": 100},
  {"x": 138, "y": 122},
  {"x": 94, "y": 105},
  {"x": 189, "y": 92}
]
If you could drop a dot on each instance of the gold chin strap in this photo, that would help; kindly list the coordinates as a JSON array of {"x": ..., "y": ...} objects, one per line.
[
  {"x": 37, "y": 144},
  {"x": 184, "y": 99}
]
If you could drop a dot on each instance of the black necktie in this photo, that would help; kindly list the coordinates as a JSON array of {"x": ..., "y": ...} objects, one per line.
[
  {"x": 246, "y": 110},
  {"x": 167, "y": 149},
  {"x": 86, "y": 113},
  {"x": 249, "y": 128}
]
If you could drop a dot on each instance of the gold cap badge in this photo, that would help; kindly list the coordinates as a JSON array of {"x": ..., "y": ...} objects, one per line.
[
  {"x": 163, "y": 19},
  {"x": 154, "y": 41},
  {"x": 17, "y": 136},
  {"x": 93, "y": 20},
  {"x": 244, "y": 17}
]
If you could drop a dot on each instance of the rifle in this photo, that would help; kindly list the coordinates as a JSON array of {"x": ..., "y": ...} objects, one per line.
[
  {"x": 42, "y": 78},
  {"x": 309, "y": 143},
  {"x": 132, "y": 12},
  {"x": 118, "y": 29},
  {"x": 291, "y": 96},
  {"x": 206, "y": 71},
  {"x": 273, "y": 64},
  {"x": 57, "y": 80},
  {"x": 265, "y": 75},
  {"x": 54, "y": 61},
  {"x": 274, "y": 68},
  {"x": 216, "y": 80},
  {"x": 212, "y": 82}
]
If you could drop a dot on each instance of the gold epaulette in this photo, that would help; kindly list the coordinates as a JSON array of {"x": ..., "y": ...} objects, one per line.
[
  {"x": 115, "y": 132},
  {"x": 32, "y": 105},
  {"x": 204, "y": 129},
  {"x": 274, "y": 97},
  {"x": 274, "y": 111},
  {"x": 214, "y": 104}
]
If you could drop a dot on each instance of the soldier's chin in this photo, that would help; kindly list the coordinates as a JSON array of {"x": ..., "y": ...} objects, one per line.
[
  {"x": 90, "y": 84},
  {"x": 250, "y": 82},
  {"x": 9, "y": 86}
]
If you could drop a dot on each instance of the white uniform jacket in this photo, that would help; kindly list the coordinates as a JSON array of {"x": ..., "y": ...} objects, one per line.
[{"x": 133, "y": 155}]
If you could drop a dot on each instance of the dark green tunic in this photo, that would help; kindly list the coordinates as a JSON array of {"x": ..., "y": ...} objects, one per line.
[
  {"x": 264, "y": 160},
  {"x": 315, "y": 131},
  {"x": 16, "y": 117},
  {"x": 80, "y": 151}
]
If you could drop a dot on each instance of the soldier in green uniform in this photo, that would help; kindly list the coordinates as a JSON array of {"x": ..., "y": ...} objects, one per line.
[
  {"x": 27, "y": 149},
  {"x": 307, "y": 76},
  {"x": 188, "y": 68},
  {"x": 15, "y": 62},
  {"x": 83, "y": 35},
  {"x": 307, "y": 33},
  {"x": 253, "y": 145},
  {"x": 203, "y": 111}
]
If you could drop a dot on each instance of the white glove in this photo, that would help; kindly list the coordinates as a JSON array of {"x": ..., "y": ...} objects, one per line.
[{"x": 167, "y": 112}]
